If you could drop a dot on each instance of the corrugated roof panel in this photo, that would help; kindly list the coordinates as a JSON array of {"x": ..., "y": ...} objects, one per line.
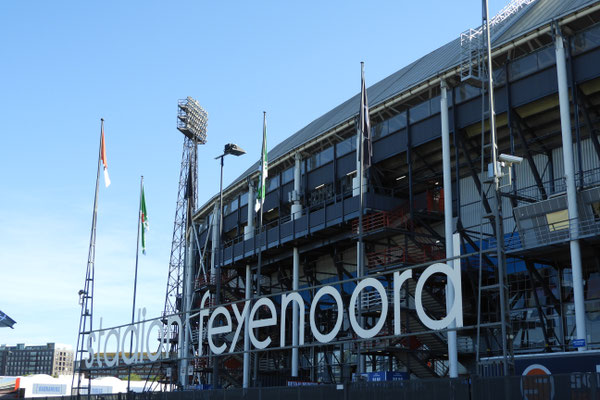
[{"x": 540, "y": 13}]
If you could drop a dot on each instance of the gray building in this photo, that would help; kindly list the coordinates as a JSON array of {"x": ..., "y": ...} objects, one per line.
[{"x": 47, "y": 359}]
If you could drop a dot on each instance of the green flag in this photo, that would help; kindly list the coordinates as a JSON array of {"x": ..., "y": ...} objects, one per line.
[
  {"x": 143, "y": 219},
  {"x": 264, "y": 168}
]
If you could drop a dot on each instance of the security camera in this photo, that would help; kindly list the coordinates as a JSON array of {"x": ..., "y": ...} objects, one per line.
[{"x": 510, "y": 159}]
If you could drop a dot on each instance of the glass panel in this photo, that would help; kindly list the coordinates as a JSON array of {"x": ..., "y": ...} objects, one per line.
[
  {"x": 272, "y": 183},
  {"x": 244, "y": 199},
  {"x": 586, "y": 40},
  {"x": 499, "y": 77},
  {"x": 376, "y": 131},
  {"x": 346, "y": 146},
  {"x": 546, "y": 57},
  {"x": 435, "y": 105},
  {"x": 320, "y": 158},
  {"x": 397, "y": 122},
  {"x": 312, "y": 162},
  {"x": 234, "y": 205},
  {"x": 523, "y": 66},
  {"x": 326, "y": 155},
  {"x": 466, "y": 92},
  {"x": 287, "y": 175},
  {"x": 419, "y": 112}
]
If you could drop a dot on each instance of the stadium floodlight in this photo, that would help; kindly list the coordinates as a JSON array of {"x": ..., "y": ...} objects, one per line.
[
  {"x": 192, "y": 120},
  {"x": 234, "y": 149}
]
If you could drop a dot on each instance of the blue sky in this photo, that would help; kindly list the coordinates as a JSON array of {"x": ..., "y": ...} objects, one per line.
[{"x": 66, "y": 64}]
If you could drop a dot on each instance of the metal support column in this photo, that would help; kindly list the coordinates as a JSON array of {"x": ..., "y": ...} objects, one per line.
[
  {"x": 567, "y": 142},
  {"x": 448, "y": 229},
  {"x": 296, "y": 213},
  {"x": 246, "y": 373}
]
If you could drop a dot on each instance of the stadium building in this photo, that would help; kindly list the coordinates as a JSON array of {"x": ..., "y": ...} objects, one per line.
[{"x": 528, "y": 251}]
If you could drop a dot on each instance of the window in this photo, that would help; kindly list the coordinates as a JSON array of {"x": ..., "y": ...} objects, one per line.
[
  {"x": 233, "y": 207},
  {"x": 596, "y": 210},
  {"x": 396, "y": 123},
  {"x": 419, "y": 112},
  {"x": 244, "y": 199},
  {"x": 558, "y": 220},
  {"x": 346, "y": 146},
  {"x": 272, "y": 183},
  {"x": 546, "y": 57},
  {"x": 287, "y": 175},
  {"x": 466, "y": 92},
  {"x": 321, "y": 158},
  {"x": 379, "y": 130},
  {"x": 586, "y": 40},
  {"x": 435, "y": 105},
  {"x": 523, "y": 66}
]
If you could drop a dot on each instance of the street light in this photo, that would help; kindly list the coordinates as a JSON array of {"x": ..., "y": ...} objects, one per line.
[{"x": 234, "y": 150}]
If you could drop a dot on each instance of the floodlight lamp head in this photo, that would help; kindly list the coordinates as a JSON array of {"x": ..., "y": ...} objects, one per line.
[
  {"x": 233, "y": 149},
  {"x": 509, "y": 159},
  {"x": 192, "y": 120}
]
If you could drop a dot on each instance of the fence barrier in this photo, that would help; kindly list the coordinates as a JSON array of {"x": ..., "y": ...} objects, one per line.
[{"x": 573, "y": 386}]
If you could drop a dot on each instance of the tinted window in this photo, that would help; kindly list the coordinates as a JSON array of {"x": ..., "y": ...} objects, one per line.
[
  {"x": 287, "y": 176},
  {"x": 419, "y": 112},
  {"x": 396, "y": 123},
  {"x": 346, "y": 146}
]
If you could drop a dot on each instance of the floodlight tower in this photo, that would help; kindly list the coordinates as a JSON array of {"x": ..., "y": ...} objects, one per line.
[{"x": 191, "y": 121}]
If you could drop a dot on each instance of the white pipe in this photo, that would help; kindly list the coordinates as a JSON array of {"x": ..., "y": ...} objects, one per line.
[
  {"x": 249, "y": 229},
  {"x": 246, "y": 379},
  {"x": 295, "y": 312},
  {"x": 567, "y": 143},
  {"x": 296, "y": 213},
  {"x": 188, "y": 278},
  {"x": 215, "y": 241},
  {"x": 296, "y": 206},
  {"x": 448, "y": 229}
]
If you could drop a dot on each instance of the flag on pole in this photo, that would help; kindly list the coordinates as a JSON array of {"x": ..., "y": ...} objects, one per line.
[
  {"x": 143, "y": 220},
  {"x": 365, "y": 123},
  {"x": 103, "y": 156},
  {"x": 264, "y": 169}
]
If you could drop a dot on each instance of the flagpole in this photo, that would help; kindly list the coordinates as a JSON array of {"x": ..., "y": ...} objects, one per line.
[
  {"x": 360, "y": 247},
  {"x": 89, "y": 279},
  {"x": 137, "y": 253},
  {"x": 263, "y": 192}
]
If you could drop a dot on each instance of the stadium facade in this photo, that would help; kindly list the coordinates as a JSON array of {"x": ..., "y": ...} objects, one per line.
[{"x": 537, "y": 260}]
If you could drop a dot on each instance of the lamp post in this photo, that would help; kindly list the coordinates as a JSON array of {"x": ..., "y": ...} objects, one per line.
[{"x": 237, "y": 151}]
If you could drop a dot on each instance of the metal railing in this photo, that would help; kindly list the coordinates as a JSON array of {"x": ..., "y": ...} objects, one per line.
[
  {"x": 558, "y": 186},
  {"x": 550, "y": 233}
]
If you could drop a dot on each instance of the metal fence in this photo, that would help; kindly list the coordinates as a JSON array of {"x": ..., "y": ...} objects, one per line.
[{"x": 574, "y": 386}]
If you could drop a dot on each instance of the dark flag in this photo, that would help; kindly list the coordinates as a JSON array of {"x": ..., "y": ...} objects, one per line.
[
  {"x": 365, "y": 123},
  {"x": 6, "y": 321}
]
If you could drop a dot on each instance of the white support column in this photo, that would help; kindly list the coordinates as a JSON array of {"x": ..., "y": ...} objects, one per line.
[
  {"x": 188, "y": 280},
  {"x": 249, "y": 229},
  {"x": 295, "y": 313},
  {"x": 215, "y": 241},
  {"x": 296, "y": 213},
  {"x": 448, "y": 228},
  {"x": 296, "y": 206},
  {"x": 567, "y": 143},
  {"x": 246, "y": 378}
]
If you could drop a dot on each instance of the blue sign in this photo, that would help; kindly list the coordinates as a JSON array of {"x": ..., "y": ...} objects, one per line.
[
  {"x": 382, "y": 376},
  {"x": 578, "y": 342}
]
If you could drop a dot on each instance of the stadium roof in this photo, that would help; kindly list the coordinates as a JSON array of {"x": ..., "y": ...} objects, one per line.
[{"x": 447, "y": 57}]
